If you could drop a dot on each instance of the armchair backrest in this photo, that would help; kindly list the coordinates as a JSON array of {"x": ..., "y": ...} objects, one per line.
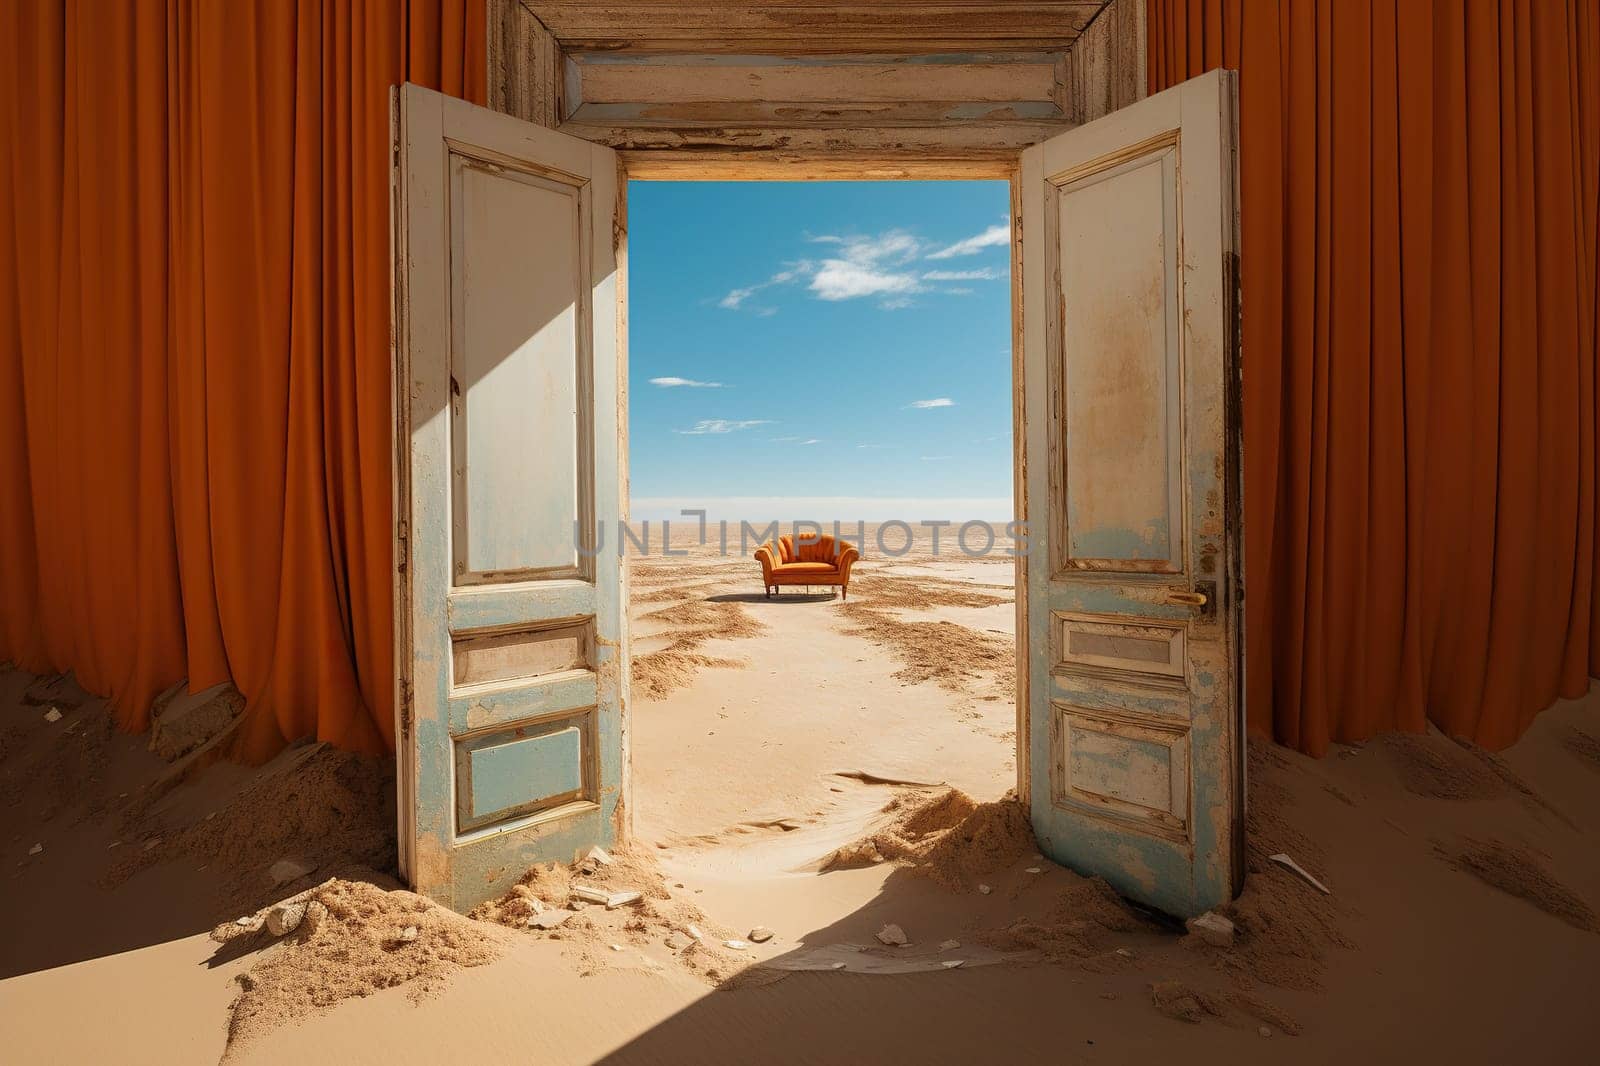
[{"x": 823, "y": 551}]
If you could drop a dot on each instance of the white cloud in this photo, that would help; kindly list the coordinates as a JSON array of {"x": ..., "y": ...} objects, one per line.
[
  {"x": 958, "y": 291},
  {"x": 986, "y": 274},
  {"x": 813, "y": 440},
  {"x": 792, "y": 271},
  {"x": 923, "y": 405},
  {"x": 723, "y": 425},
  {"x": 685, "y": 383},
  {"x": 878, "y": 266},
  {"x": 993, "y": 237},
  {"x": 869, "y": 266},
  {"x": 842, "y": 279}
]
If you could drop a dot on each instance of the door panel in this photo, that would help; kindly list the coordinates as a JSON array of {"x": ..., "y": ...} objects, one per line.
[
  {"x": 1130, "y": 331},
  {"x": 510, "y": 627}
]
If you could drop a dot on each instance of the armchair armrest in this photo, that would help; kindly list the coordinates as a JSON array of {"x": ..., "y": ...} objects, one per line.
[
  {"x": 847, "y": 559},
  {"x": 767, "y": 556}
]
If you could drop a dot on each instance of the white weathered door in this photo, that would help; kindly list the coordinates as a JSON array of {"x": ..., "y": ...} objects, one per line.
[
  {"x": 509, "y": 457},
  {"x": 1131, "y": 380}
]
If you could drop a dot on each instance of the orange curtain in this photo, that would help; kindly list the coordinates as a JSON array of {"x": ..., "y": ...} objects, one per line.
[
  {"x": 1420, "y": 185},
  {"x": 194, "y": 360}
]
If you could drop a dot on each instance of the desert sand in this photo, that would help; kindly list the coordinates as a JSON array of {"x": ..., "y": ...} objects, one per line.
[{"x": 819, "y": 769}]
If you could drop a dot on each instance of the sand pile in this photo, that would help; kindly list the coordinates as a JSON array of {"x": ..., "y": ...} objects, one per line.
[
  {"x": 1084, "y": 922},
  {"x": 312, "y": 812},
  {"x": 947, "y": 836},
  {"x": 68, "y": 760},
  {"x": 1184, "y": 1003},
  {"x": 1284, "y": 928},
  {"x": 357, "y": 939},
  {"x": 658, "y": 674},
  {"x": 1519, "y": 872},
  {"x": 919, "y": 593},
  {"x": 546, "y": 903},
  {"x": 1441, "y": 771},
  {"x": 690, "y": 624},
  {"x": 1583, "y": 746},
  {"x": 952, "y": 655}
]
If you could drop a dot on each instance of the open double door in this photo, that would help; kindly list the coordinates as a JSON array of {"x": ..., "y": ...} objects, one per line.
[{"x": 510, "y": 459}]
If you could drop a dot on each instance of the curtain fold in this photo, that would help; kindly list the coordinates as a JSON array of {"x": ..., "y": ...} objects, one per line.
[
  {"x": 1421, "y": 274},
  {"x": 194, "y": 356}
]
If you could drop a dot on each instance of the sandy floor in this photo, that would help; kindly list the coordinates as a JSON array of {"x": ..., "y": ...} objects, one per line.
[{"x": 766, "y": 734}]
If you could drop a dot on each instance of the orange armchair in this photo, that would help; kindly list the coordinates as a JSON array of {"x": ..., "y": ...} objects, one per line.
[{"x": 821, "y": 563}]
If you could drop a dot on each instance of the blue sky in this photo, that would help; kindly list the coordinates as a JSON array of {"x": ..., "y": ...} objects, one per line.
[{"x": 826, "y": 341}]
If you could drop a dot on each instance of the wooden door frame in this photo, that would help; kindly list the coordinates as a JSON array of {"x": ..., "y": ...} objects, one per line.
[{"x": 529, "y": 76}]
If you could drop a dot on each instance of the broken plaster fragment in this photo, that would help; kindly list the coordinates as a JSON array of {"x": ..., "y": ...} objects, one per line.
[
  {"x": 1283, "y": 860},
  {"x": 892, "y": 935},
  {"x": 1212, "y": 928},
  {"x": 622, "y": 899},
  {"x": 548, "y": 919}
]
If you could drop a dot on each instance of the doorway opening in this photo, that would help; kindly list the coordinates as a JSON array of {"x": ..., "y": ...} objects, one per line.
[{"x": 830, "y": 376}]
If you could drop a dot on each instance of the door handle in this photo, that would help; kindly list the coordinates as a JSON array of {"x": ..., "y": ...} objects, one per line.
[{"x": 1186, "y": 598}]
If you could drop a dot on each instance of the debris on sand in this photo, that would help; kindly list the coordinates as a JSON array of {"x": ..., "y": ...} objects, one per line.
[
  {"x": 1213, "y": 929},
  {"x": 947, "y": 836},
  {"x": 623, "y": 901},
  {"x": 366, "y": 940},
  {"x": 893, "y": 936},
  {"x": 1289, "y": 864},
  {"x": 1519, "y": 872}
]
